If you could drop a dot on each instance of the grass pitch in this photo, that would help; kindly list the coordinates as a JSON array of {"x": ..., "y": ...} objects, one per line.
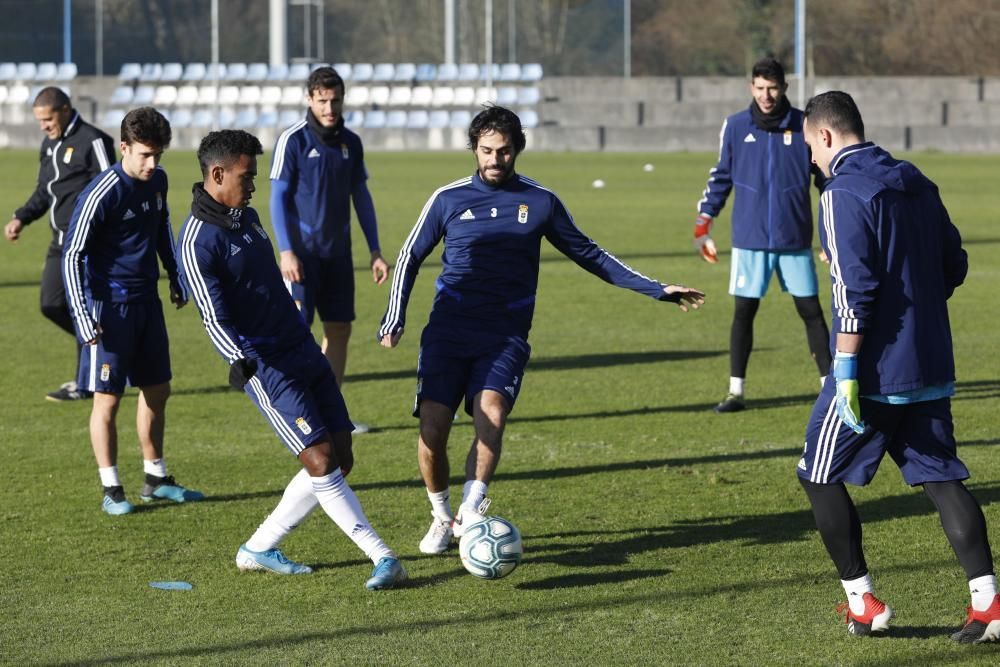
[{"x": 655, "y": 531}]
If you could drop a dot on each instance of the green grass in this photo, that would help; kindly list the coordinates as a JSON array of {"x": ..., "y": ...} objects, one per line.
[{"x": 655, "y": 531}]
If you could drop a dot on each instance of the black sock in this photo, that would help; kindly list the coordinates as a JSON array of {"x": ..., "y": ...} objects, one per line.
[
  {"x": 964, "y": 525},
  {"x": 839, "y": 525},
  {"x": 817, "y": 334},
  {"x": 741, "y": 335}
]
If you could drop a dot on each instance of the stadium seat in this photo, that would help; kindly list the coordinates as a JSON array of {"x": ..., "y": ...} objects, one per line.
[
  {"x": 249, "y": 95},
  {"x": 315, "y": 66},
  {"x": 180, "y": 118},
  {"x": 292, "y": 96},
  {"x": 270, "y": 96},
  {"x": 529, "y": 118},
  {"x": 510, "y": 72},
  {"x": 531, "y": 72},
  {"x": 425, "y": 72},
  {"x": 66, "y": 72},
  {"x": 528, "y": 96},
  {"x": 46, "y": 72},
  {"x": 172, "y": 72},
  {"x": 267, "y": 118},
  {"x": 379, "y": 95},
  {"x": 447, "y": 72},
  {"x": 506, "y": 96},
  {"x": 8, "y": 71},
  {"x": 439, "y": 118},
  {"x": 226, "y": 118},
  {"x": 229, "y": 95},
  {"x": 143, "y": 96},
  {"x": 18, "y": 94},
  {"x": 395, "y": 118},
  {"x": 362, "y": 72},
  {"x": 202, "y": 118},
  {"x": 354, "y": 118},
  {"x": 151, "y": 72},
  {"x": 129, "y": 72},
  {"x": 26, "y": 71},
  {"x": 344, "y": 70},
  {"x": 121, "y": 96},
  {"x": 444, "y": 96},
  {"x": 492, "y": 70},
  {"x": 3, "y": 93},
  {"x": 257, "y": 72},
  {"x": 356, "y": 96},
  {"x": 207, "y": 95},
  {"x": 468, "y": 72},
  {"x": 236, "y": 72},
  {"x": 289, "y": 117},
  {"x": 465, "y": 96},
  {"x": 215, "y": 72},
  {"x": 399, "y": 96},
  {"x": 165, "y": 96},
  {"x": 298, "y": 73},
  {"x": 405, "y": 73},
  {"x": 375, "y": 119},
  {"x": 461, "y": 118},
  {"x": 194, "y": 72},
  {"x": 187, "y": 96},
  {"x": 485, "y": 95},
  {"x": 277, "y": 73},
  {"x": 383, "y": 72},
  {"x": 112, "y": 118},
  {"x": 245, "y": 119},
  {"x": 417, "y": 119},
  {"x": 421, "y": 96}
]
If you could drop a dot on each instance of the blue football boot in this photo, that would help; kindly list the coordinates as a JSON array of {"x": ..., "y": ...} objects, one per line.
[
  {"x": 166, "y": 488},
  {"x": 387, "y": 573},
  {"x": 271, "y": 560},
  {"x": 114, "y": 502}
]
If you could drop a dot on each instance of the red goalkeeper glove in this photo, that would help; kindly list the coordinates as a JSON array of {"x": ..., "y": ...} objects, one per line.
[{"x": 702, "y": 241}]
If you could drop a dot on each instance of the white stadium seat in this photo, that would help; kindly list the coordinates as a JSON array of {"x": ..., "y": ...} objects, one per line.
[
  {"x": 130, "y": 72},
  {"x": 344, "y": 70},
  {"x": 236, "y": 72},
  {"x": 207, "y": 95},
  {"x": 151, "y": 72},
  {"x": 447, "y": 72},
  {"x": 8, "y": 71},
  {"x": 528, "y": 96},
  {"x": 3, "y": 93},
  {"x": 18, "y": 94},
  {"x": 383, "y": 72},
  {"x": 66, "y": 72},
  {"x": 417, "y": 119},
  {"x": 395, "y": 118},
  {"x": 362, "y": 72},
  {"x": 465, "y": 96},
  {"x": 249, "y": 95},
  {"x": 379, "y": 95},
  {"x": 421, "y": 96},
  {"x": 529, "y": 118},
  {"x": 229, "y": 95},
  {"x": 468, "y": 72},
  {"x": 270, "y": 96},
  {"x": 444, "y": 96},
  {"x": 187, "y": 95},
  {"x": 172, "y": 72},
  {"x": 439, "y": 118},
  {"x": 485, "y": 95},
  {"x": 165, "y": 95},
  {"x": 26, "y": 71},
  {"x": 121, "y": 96},
  {"x": 510, "y": 72},
  {"x": 112, "y": 118},
  {"x": 292, "y": 96},
  {"x": 143, "y": 96},
  {"x": 257, "y": 72},
  {"x": 194, "y": 72},
  {"x": 46, "y": 72},
  {"x": 405, "y": 72},
  {"x": 399, "y": 96},
  {"x": 375, "y": 119},
  {"x": 356, "y": 96},
  {"x": 531, "y": 72}
]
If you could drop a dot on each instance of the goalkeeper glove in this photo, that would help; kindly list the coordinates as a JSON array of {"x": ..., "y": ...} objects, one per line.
[
  {"x": 848, "y": 407},
  {"x": 240, "y": 373},
  {"x": 702, "y": 241}
]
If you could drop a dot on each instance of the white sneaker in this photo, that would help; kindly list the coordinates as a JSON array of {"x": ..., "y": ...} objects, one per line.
[
  {"x": 360, "y": 428},
  {"x": 467, "y": 517},
  {"x": 438, "y": 536}
]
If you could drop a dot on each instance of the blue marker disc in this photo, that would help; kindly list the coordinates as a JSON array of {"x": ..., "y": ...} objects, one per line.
[{"x": 171, "y": 585}]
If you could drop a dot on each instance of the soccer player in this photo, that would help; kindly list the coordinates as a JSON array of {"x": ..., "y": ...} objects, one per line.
[
  {"x": 895, "y": 259},
  {"x": 227, "y": 264},
  {"x": 317, "y": 170},
  {"x": 762, "y": 154},
  {"x": 120, "y": 224},
  {"x": 475, "y": 345},
  {"x": 73, "y": 153}
]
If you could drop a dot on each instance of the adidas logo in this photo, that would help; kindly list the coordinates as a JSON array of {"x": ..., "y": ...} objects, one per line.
[
  {"x": 233, "y": 249},
  {"x": 802, "y": 464},
  {"x": 358, "y": 527},
  {"x": 313, "y": 153},
  {"x": 128, "y": 214},
  {"x": 749, "y": 139},
  {"x": 511, "y": 390},
  {"x": 467, "y": 215}
]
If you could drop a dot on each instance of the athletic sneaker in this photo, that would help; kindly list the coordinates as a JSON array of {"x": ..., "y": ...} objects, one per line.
[
  {"x": 467, "y": 517},
  {"x": 166, "y": 488},
  {"x": 68, "y": 391},
  {"x": 438, "y": 536},
  {"x": 361, "y": 427},
  {"x": 271, "y": 560},
  {"x": 114, "y": 502},
  {"x": 387, "y": 573},
  {"x": 731, "y": 403},
  {"x": 980, "y": 626},
  {"x": 874, "y": 619}
]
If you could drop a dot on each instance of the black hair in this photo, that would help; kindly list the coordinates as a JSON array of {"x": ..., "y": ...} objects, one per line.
[
  {"x": 324, "y": 78},
  {"x": 225, "y": 147},
  {"x": 837, "y": 110},
  {"x": 770, "y": 69},
  {"x": 146, "y": 126},
  {"x": 500, "y": 120},
  {"x": 52, "y": 97}
]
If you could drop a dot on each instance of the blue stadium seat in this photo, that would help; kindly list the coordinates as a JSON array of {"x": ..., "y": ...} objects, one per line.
[
  {"x": 267, "y": 118},
  {"x": 468, "y": 72},
  {"x": 362, "y": 72},
  {"x": 375, "y": 119},
  {"x": 245, "y": 119},
  {"x": 289, "y": 117},
  {"x": 425, "y": 72},
  {"x": 528, "y": 96},
  {"x": 447, "y": 72},
  {"x": 26, "y": 71},
  {"x": 130, "y": 72},
  {"x": 180, "y": 118},
  {"x": 492, "y": 70},
  {"x": 236, "y": 72},
  {"x": 383, "y": 72},
  {"x": 121, "y": 96},
  {"x": 66, "y": 72},
  {"x": 298, "y": 73},
  {"x": 151, "y": 72},
  {"x": 506, "y": 96},
  {"x": 461, "y": 118},
  {"x": 439, "y": 118},
  {"x": 194, "y": 72},
  {"x": 405, "y": 73},
  {"x": 417, "y": 120},
  {"x": 529, "y": 118},
  {"x": 257, "y": 72},
  {"x": 8, "y": 71},
  {"x": 344, "y": 70},
  {"x": 112, "y": 118},
  {"x": 395, "y": 118},
  {"x": 202, "y": 118},
  {"x": 215, "y": 71},
  {"x": 226, "y": 118},
  {"x": 277, "y": 73},
  {"x": 531, "y": 72},
  {"x": 46, "y": 72},
  {"x": 354, "y": 118},
  {"x": 172, "y": 72},
  {"x": 510, "y": 72},
  {"x": 143, "y": 96}
]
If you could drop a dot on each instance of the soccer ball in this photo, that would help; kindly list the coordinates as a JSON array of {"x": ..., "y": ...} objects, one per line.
[{"x": 490, "y": 548}]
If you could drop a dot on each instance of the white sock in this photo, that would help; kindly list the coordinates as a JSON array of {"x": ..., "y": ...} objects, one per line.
[
  {"x": 340, "y": 503},
  {"x": 156, "y": 467},
  {"x": 109, "y": 476},
  {"x": 736, "y": 386},
  {"x": 983, "y": 590},
  {"x": 472, "y": 494},
  {"x": 822, "y": 381},
  {"x": 441, "y": 504},
  {"x": 297, "y": 502},
  {"x": 856, "y": 589}
]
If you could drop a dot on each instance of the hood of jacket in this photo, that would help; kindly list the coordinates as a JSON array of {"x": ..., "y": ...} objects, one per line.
[{"x": 872, "y": 163}]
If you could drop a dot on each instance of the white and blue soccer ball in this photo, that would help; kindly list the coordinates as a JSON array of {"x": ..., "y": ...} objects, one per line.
[{"x": 491, "y": 548}]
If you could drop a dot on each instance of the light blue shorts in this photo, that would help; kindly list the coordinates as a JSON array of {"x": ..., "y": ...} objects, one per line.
[{"x": 751, "y": 272}]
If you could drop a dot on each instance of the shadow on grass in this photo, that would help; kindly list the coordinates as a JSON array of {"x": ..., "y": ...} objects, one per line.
[{"x": 595, "y": 579}]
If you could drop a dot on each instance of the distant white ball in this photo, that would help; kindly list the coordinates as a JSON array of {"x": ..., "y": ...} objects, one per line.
[
  {"x": 598, "y": 184},
  {"x": 648, "y": 167},
  {"x": 490, "y": 548}
]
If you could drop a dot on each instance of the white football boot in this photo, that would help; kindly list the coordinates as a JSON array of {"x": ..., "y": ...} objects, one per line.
[
  {"x": 467, "y": 517},
  {"x": 438, "y": 536}
]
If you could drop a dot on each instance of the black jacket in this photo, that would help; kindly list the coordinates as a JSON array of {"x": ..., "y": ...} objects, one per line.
[{"x": 66, "y": 167}]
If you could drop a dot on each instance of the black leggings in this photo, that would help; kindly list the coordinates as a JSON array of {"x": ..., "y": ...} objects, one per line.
[{"x": 741, "y": 334}]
